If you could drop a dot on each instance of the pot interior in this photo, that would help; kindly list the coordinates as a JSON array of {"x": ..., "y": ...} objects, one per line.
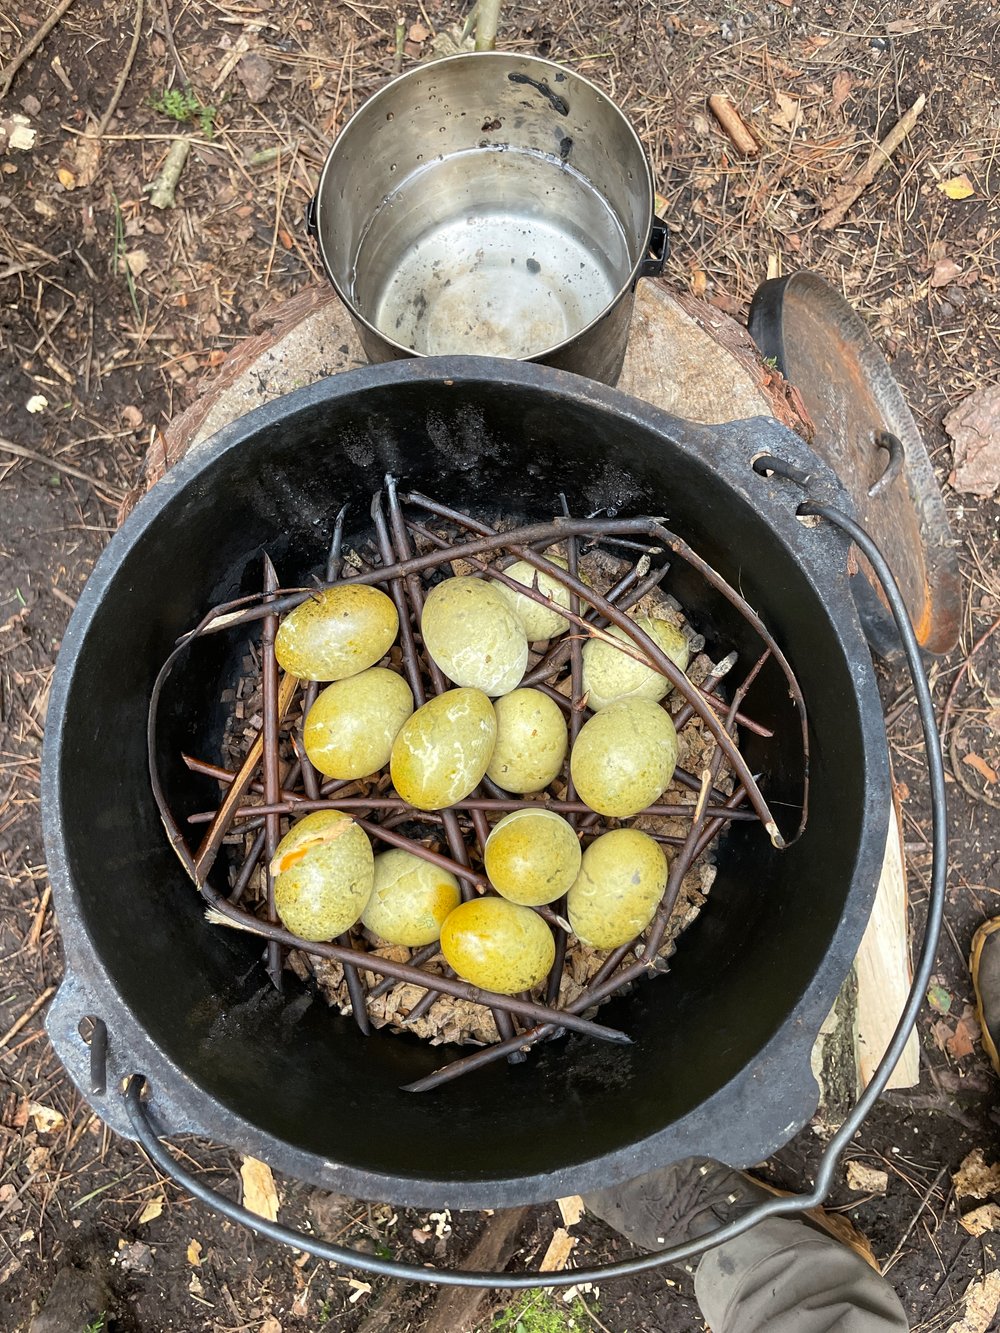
[
  {"x": 293, "y": 1069},
  {"x": 489, "y": 204}
]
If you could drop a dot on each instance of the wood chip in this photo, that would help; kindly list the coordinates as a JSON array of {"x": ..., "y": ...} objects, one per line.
[
  {"x": 194, "y": 1253},
  {"x": 866, "y": 1179},
  {"x": 974, "y": 1179},
  {"x": 561, "y": 1246},
  {"x": 982, "y": 1219},
  {"x": 981, "y": 1302},
  {"x": 572, "y": 1209},
  {"x": 260, "y": 1195},
  {"x": 152, "y": 1210},
  {"x": 47, "y": 1119}
]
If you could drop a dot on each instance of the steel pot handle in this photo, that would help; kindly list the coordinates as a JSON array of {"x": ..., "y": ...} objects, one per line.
[
  {"x": 778, "y": 1207},
  {"x": 311, "y": 225},
  {"x": 659, "y": 247}
]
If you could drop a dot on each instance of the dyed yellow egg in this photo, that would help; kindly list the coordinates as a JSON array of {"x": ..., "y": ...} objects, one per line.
[
  {"x": 498, "y": 945},
  {"x": 537, "y": 621},
  {"x": 324, "y": 871},
  {"x": 337, "y": 633},
  {"x": 621, "y": 882},
  {"x": 351, "y": 727},
  {"x": 531, "y": 741},
  {"x": 473, "y": 636},
  {"x": 410, "y": 899},
  {"x": 624, "y": 757},
  {"x": 532, "y": 857},
  {"x": 610, "y": 675},
  {"x": 441, "y": 753}
]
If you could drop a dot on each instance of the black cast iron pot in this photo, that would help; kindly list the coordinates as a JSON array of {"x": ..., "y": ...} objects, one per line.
[{"x": 720, "y": 1062}]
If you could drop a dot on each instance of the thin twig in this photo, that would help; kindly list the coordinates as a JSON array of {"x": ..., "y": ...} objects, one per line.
[
  {"x": 109, "y": 110},
  {"x": 272, "y": 782},
  {"x": 32, "y": 45}
]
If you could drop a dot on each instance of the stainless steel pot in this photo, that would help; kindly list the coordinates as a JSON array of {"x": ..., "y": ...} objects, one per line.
[{"x": 491, "y": 204}]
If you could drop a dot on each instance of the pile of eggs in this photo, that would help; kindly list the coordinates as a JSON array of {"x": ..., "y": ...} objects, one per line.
[{"x": 327, "y": 877}]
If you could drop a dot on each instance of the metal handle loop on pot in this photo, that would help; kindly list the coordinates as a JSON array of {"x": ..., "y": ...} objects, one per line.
[
  {"x": 659, "y": 247},
  {"x": 777, "y": 1207}
]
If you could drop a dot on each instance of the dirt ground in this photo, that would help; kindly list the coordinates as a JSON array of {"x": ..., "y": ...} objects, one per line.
[{"x": 113, "y": 316}]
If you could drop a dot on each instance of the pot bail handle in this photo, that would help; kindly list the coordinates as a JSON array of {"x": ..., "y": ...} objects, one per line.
[{"x": 659, "y": 247}]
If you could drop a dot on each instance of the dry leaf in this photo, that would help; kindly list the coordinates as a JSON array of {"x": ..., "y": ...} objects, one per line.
[
  {"x": 966, "y": 1035},
  {"x": 789, "y": 113},
  {"x": 270, "y": 1325},
  {"x": 975, "y": 428},
  {"x": 843, "y": 84},
  {"x": 87, "y": 161},
  {"x": 958, "y": 187},
  {"x": 66, "y": 178},
  {"x": 974, "y": 1179},
  {"x": 899, "y": 27},
  {"x": 699, "y": 282},
  {"x": 137, "y": 261},
  {"x": 152, "y": 1210},
  {"x": 572, "y": 1209},
  {"x": 866, "y": 1179},
  {"x": 945, "y": 271},
  {"x": 981, "y": 1302},
  {"x": 194, "y": 1253},
  {"x": 557, "y": 1255},
  {"x": 259, "y": 1192},
  {"x": 981, "y": 766},
  {"x": 418, "y": 32},
  {"x": 982, "y": 1219},
  {"x": 47, "y": 1119}
]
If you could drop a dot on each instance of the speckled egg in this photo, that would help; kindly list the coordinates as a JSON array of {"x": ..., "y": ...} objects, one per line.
[
  {"x": 337, "y": 632},
  {"x": 538, "y": 621},
  {"x": 532, "y": 857},
  {"x": 324, "y": 872},
  {"x": 410, "y": 899},
  {"x": 351, "y": 727},
  {"x": 531, "y": 741},
  {"x": 624, "y": 757},
  {"x": 473, "y": 636},
  {"x": 621, "y": 882},
  {"x": 441, "y": 753},
  {"x": 610, "y": 675},
  {"x": 498, "y": 945}
]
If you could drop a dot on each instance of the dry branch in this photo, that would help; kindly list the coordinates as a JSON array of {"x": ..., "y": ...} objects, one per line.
[
  {"x": 732, "y": 123},
  {"x": 836, "y": 204}
]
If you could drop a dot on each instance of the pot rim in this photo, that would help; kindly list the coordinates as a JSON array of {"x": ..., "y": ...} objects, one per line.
[
  {"x": 421, "y": 70},
  {"x": 745, "y": 1119}
]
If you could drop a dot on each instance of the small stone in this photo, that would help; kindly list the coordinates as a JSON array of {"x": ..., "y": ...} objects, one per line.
[{"x": 257, "y": 75}]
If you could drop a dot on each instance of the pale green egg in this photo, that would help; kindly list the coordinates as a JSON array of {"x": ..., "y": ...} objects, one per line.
[
  {"x": 410, "y": 899},
  {"x": 532, "y": 857},
  {"x": 337, "y": 632},
  {"x": 351, "y": 727},
  {"x": 441, "y": 753},
  {"x": 622, "y": 879},
  {"x": 531, "y": 741},
  {"x": 498, "y": 945},
  {"x": 610, "y": 675},
  {"x": 323, "y": 874},
  {"x": 473, "y": 636},
  {"x": 624, "y": 757}
]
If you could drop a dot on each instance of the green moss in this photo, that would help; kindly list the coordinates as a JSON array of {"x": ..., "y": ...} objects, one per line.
[{"x": 536, "y": 1312}]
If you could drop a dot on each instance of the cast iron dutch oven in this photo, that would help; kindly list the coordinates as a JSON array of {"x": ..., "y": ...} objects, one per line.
[{"x": 720, "y": 1060}]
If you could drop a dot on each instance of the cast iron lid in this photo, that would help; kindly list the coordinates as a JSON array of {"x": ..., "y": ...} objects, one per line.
[{"x": 866, "y": 433}]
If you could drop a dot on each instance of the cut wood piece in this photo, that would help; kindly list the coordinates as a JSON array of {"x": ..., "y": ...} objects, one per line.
[
  {"x": 684, "y": 356},
  {"x": 457, "y": 1309},
  {"x": 884, "y": 972}
]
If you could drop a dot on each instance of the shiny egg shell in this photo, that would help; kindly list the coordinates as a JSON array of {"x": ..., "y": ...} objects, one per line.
[
  {"x": 410, "y": 899},
  {"x": 531, "y": 741},
  {"x": 498, "y": 945},
  {"x": 441, "y": 753},
  {"x": 621, "y": 882},
  {"x": 624, "y": 757},
  {"x": 473, "y": 636},
  {"x": 610, "y": 675},
  {"x": 532, "y": 857},
  {"x": 351, "y": 727},
  {"x": 323, "y": 875},
  {"x": 337, "y": 632}
]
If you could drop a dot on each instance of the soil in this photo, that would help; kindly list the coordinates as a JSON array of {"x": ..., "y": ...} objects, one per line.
[{"x": 116, "y": 314}]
